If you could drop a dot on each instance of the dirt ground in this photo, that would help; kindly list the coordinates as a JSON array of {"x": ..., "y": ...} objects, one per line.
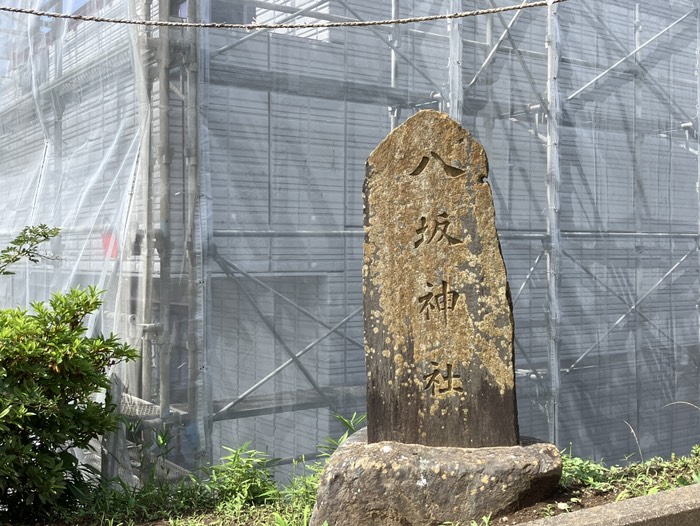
[{"x": 562, "y": 501}]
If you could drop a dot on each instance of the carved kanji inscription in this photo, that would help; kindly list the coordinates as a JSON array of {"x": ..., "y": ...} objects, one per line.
[
  {"x": 441, "y": 300},
  {"x": 448, "y": 169},
  {"x": 443, "y": 382},
  {"x": 435, "y": 229},
  {"x": 438, "y": 319}
]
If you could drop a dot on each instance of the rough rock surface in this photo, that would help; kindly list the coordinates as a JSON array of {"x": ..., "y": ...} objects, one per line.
[
  {"x": 438, "y": 317},
  {"x": 394, "y": 484}
]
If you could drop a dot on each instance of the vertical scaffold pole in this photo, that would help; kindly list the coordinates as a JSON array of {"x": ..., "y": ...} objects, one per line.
[
  {"x": 638, "y": 203},
  {"x": 58, "y": 31},
  {"x": 199, "y": 389},
  {"x": 489, "y": 114},
  {"x": 395, "y": 40},
  {"x": 455, "y": 64},
  {"x": 553, "y": 249},
  {"x": 697, "y": 129},
  {"x": 165, "y": 242},
  {"x": 144, "y": 305}
]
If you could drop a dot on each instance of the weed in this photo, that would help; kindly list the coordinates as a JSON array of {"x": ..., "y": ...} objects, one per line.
[
  {"x": 581, "y": 472},
  {"x": 299, "y": 495},
  {"x": 551, "y": 510},
  {"x": 280, "y": 520},
  {"x": 244, "y": 473},
  {"x": 232, "y": 508},
  {"x": 635, "y": 479},
  {"x": 656, "y": 474},
  {"x": 351, "y": 425},
  {"x": 548, "y": 511},
  {"x": 231, "y": 488}
]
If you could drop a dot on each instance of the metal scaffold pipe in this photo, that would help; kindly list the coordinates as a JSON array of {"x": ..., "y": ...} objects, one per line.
[
  {"x": 553, "y": 178},
  {"x": 639, "y": 200},
  {"x": 455, "y": 63},
  {"x": 199, "y": 383},
  {"x": 395, "y": 40},
  {"x": 144, "y": 304},
  {"x": 697, "y": 132},
  {"x": 164, "y": 242}
]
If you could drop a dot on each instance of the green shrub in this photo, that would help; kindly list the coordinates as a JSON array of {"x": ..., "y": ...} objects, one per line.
[{"x": 49, "y": 370}]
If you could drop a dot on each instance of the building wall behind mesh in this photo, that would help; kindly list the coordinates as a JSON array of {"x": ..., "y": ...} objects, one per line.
[{"x": 286, "y": 120}]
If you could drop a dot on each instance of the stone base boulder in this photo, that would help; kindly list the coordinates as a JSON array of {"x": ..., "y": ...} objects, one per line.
[{"x": 395, "y": 484}]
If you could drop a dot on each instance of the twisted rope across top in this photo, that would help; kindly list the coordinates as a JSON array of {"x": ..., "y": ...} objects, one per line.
[{"x": 256, "y": 26}]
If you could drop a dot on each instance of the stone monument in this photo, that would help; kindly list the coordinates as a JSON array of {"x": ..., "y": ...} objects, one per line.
[
  {"x": 438, "y": 320},
  {"x": 442, "y": 436}
]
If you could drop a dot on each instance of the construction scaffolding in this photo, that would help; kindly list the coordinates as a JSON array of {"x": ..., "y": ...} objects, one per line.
[{"x": 209, "y": 180}]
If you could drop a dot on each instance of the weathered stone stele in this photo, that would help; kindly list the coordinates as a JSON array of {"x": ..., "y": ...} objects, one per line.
[{"x": 438, "y": 317}]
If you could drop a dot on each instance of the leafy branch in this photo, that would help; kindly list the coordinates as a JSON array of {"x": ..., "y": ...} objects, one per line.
[{"x": 26, "y": 246}]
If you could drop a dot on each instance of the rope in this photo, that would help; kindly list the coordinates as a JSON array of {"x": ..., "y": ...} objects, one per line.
[{"x": 256, "y": 26}]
